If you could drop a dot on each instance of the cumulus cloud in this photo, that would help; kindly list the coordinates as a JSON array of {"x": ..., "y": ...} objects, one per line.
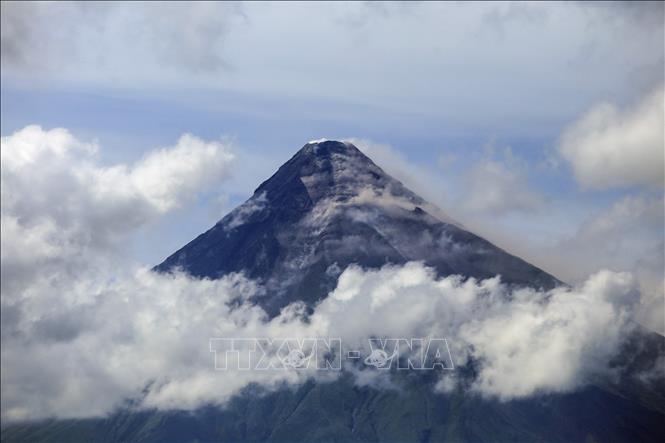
[
  {"x": 170, "y": 176},
  {"x": 525, "y": 341},
  {"x": 611, "y": 147},
  {"x": 81, "y": 337},
  {"x": 66, "y": 221},
  {"x": 60, "y": 206},
  {"x": 146, "y": 337},
  {"x": 81, "y": 347}
]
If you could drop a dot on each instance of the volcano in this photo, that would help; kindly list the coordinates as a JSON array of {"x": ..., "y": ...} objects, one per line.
[{"x": 329, "y": 207}]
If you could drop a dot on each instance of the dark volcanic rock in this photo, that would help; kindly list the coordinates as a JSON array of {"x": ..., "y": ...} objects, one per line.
[{"x": 330, "y": 206}]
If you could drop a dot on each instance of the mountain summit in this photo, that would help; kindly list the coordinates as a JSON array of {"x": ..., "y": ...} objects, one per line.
[{"x": 331, "y": 206}]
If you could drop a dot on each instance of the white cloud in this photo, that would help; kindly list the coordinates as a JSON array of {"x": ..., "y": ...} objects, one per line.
[
  {"x": 527, "y": 347},
  {"x": 526, "y": 342},
  {"x": 60, "y": 207},
  {"x": 608, "y": 147},
  {"x": 170, "y": 176},
  {"x": 565, "y": 239},
  {"x": 146, "y": 336},
  {"x": 81, "y": 347},
  {"x": 80, "y": 336}
]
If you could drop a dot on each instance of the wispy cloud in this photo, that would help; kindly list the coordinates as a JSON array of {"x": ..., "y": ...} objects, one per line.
[
  {"x": 452, "y": 68},
  {"x": 608, "y": 147},
  {"x": 141, "y": 39}
]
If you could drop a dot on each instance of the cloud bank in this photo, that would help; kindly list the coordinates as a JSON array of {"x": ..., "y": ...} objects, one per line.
[
  {"x": 85, "y": 347},
  {"x": 81, "y": 338}
]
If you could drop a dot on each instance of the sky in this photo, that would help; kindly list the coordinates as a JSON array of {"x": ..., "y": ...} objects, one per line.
[{"x": 538, "y": 126}]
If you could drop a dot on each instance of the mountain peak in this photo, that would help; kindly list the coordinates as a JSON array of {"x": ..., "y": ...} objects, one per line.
[
  {"x": 334, "y": 150},
  {"x": 324, "y": 147},
  {"x": 328, "y": 169},
  {"x": 326, "y": 208}
]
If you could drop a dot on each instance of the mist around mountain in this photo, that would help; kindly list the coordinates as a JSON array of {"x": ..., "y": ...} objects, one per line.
[
  {"x": 330, "y": 243},
  {"x": 329, "y": 207}
]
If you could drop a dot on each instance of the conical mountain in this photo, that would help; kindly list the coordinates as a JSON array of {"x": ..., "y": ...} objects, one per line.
[{"x": 330, "y": 206}]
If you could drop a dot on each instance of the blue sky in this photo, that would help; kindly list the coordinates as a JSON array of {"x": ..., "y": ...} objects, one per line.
[{"x": 456, "y": 100}]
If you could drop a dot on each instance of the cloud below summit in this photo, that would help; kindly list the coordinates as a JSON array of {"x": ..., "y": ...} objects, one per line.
[
  {"x": 85, "y": 327},
  {"x": 79, "y": 336}
]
